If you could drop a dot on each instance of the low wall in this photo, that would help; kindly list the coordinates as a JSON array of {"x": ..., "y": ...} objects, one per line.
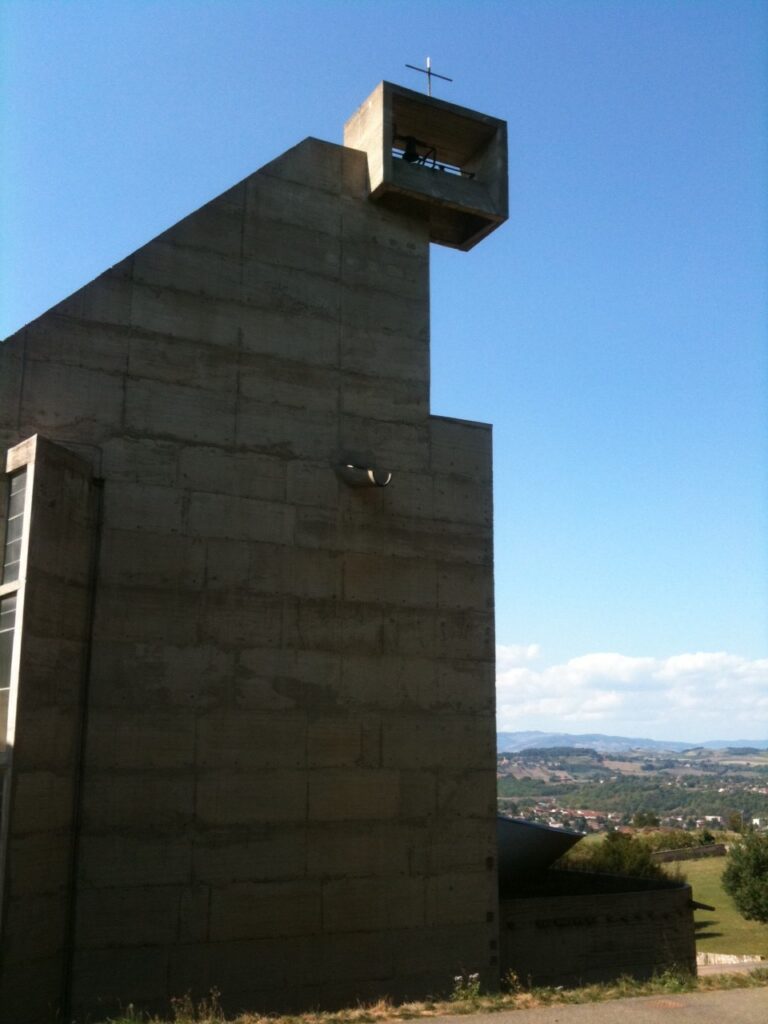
[
  {"x": 690, "y": 853},
  {"x": 577, "y": 939}
]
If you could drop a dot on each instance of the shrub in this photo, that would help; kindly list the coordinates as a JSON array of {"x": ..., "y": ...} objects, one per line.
[
  {"x": 669, "y": 839},
  {"x": 466, "y": 988},
  {"x": 745, "y": 878},
  {"x": 618, "y": 854}
]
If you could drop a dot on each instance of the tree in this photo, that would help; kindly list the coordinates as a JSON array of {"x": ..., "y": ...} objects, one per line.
[
  {"x": 745, "y": 878},
  {"x": 643, "y": 818}
]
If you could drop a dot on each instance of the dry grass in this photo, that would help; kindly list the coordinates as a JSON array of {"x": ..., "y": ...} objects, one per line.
[{"x": 186, "y": 1011}]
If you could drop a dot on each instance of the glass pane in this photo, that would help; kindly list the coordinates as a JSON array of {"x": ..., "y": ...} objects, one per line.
[
  {"x": 7, "y": 622},
  {"x": 11, "y": 566},
  {"x": 3, "y": 717},
  {"x": 16, "y": 504},
  {"x": 11, "y": 572},
  {"x": 13, "y": 528},
  {"x": 19, "y": 481},
  {"x": 7, "y": 611},
  {"x": 6, "y": 649}
]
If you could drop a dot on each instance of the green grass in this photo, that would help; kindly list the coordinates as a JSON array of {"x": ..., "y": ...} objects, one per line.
[
  {"x": 592, "y": 839},
  {"x": 723, "y": 930}
]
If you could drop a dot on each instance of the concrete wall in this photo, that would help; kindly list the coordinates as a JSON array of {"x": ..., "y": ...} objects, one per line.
[
  {"x": 44, "y": 729},
  {"x": 570, "y": 940},
  {"x": 289, "y": 775},
  {"x": 690, "y": 853}
]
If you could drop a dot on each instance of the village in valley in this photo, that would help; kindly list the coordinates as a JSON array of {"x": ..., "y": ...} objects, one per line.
[{"x": 586, "y": 790}]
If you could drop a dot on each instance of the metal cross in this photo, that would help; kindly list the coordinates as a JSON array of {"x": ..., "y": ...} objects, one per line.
[{"x": 430, "y": 74}]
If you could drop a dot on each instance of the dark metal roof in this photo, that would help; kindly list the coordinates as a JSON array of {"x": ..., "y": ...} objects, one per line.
[{"x": 525, "y": 847}]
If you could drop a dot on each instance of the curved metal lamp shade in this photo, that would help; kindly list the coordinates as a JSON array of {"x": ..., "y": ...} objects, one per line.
[{"x": 363, "y": 476}]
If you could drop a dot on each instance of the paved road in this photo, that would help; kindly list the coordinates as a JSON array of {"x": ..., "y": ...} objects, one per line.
[{"x": 737, "y": 1006}]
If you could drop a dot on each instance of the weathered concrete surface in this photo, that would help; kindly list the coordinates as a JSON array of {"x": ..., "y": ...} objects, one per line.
[
  {"x": 580, "y": 939},
  {"x": 738, "y": 1006},
  {"x": 460, "y": 206},
  {"x": 288, "y": 781},
  {"x": 45, "y": 727}
]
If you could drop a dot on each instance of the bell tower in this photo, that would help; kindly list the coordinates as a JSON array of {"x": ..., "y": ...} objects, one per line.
[{"x": 434, "y": 159}]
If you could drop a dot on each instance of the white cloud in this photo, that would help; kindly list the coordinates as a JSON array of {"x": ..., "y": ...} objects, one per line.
[
  {"x": 516, "y": 654},
  {"x": 695, "y": 696}
]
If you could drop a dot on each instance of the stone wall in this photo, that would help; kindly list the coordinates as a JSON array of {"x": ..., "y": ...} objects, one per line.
[{"x": 288, "y": 781}]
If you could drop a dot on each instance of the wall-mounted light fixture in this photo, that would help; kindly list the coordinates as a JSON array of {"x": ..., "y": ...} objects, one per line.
[{"x": 362, "y": 476}]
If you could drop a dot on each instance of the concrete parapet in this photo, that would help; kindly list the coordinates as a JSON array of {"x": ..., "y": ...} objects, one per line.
[{"x": 580, "y": 939}]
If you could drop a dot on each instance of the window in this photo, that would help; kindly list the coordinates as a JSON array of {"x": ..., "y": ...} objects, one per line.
[{"x": 14, "y": 527}]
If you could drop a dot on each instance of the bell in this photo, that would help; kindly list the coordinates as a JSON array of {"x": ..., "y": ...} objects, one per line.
[{"x": 411, "y": 155}]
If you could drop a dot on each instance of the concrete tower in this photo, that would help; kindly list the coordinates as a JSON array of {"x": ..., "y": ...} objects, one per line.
[{"x": 249, "y": 691}]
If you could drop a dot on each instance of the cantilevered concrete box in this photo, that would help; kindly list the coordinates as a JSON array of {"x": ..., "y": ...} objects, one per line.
[{"x": 434, "y": 159}]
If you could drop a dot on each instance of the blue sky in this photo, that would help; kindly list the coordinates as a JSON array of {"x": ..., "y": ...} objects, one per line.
[{"x": 613, "y": 331}]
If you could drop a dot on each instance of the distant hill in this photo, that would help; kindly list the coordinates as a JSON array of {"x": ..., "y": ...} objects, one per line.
[{"x": 510, "y": 742}]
